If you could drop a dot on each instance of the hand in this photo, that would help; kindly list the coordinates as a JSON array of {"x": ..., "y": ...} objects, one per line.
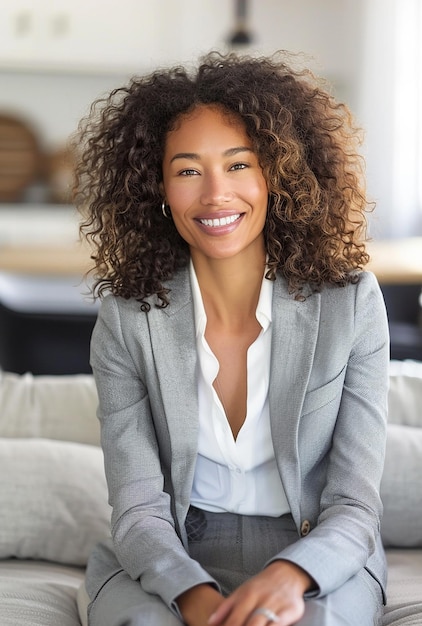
[
  {"x": 198, "y": 603},
  {"x": 279, "y": 588}
]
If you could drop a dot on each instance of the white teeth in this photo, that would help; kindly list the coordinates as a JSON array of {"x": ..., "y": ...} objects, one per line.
[{"x": 223, "y": 221}]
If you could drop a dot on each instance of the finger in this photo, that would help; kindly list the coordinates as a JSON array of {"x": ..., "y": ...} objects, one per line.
[
  {"x": 221, "y": 613},
  {"x": 235, "y": 611}
]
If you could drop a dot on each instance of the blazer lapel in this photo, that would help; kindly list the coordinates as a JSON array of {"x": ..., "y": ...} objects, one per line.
[
  {"x": 174, "y": 347},
  {"x": 294, "y": 334}
]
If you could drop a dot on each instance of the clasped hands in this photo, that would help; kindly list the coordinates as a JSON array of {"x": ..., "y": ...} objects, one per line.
[{"x": 276, "y": 592}]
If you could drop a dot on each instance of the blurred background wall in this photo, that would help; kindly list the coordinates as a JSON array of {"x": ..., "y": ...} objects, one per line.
[{"x": 56, "y": 56}]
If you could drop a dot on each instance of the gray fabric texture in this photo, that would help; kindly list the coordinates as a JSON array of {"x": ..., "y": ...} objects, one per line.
[
  {"x": 328, "y": 404},
  {"x": 404, "y": 606},
  {"x": 233, "y": 548}
]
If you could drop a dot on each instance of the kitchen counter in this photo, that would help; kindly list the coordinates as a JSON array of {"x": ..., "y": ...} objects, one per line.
[
  {"x": 45, "y": 240},
  {"x": 397, "y": 261},
  {"x": 66, "y": 259},
  {"x": 42, "y": 240}
]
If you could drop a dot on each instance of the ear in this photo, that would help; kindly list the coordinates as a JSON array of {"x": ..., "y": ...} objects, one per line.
[{"x": 162, "y": 191}]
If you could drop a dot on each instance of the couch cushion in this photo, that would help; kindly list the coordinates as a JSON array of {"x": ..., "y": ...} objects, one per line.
[
  {"x": 404, "y": 588},
  {"x": 53, "y": 500},
  {"x": 38, "y": 594},
  {"x": 401, "y": 487},
  {"x": 404, "y": 398},
  {"x": 82, "y": 601},
  {"x": 53, "y": 407}
]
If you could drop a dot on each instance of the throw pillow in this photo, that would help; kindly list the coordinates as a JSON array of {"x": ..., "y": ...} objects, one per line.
[
  {"x": 53, "y": 407},
  {"x": 53, "y": 500},
  {"x": 401, "y": 488},
  {"x": 404, "y": 398}
]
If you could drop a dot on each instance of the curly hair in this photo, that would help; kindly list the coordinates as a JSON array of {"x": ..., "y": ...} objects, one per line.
[{"x": 307, "y": 145}]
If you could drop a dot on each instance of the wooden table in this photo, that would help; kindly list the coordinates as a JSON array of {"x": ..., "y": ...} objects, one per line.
[
  {"x": 65, "y": 260},
  {"x": 397, "y": 261}
]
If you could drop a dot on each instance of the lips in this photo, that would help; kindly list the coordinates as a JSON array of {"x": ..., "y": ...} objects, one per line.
[{"x": 220, "y": 221}]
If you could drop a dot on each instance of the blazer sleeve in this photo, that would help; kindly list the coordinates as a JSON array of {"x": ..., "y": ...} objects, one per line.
[
  {"x": 347, "y": 528},
  {"x": 142, "y": 526}
]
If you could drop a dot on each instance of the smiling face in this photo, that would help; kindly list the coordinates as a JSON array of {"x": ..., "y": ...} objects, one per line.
[{"x": 214, "y": 185}]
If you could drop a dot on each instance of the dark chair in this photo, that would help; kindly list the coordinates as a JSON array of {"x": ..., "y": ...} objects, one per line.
[
  {"x": 45, "y": 325},
  {"x": 403, "y": 303}
]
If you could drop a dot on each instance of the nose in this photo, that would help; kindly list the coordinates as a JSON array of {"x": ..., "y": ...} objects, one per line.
[{"x": 216, "y": 190}]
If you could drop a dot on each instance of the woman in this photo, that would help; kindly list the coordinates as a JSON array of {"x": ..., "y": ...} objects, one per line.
[{"x": 240, "y": 352}]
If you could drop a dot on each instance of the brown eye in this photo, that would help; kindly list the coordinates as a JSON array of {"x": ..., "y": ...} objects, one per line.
[{"x": 188, "y": 172}]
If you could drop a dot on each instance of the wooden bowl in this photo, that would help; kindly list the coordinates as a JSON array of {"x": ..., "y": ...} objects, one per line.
[{"x": 20, "y": 158}]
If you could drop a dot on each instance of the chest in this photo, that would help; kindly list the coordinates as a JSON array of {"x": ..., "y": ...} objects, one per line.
[{"x": 231, "y": 381}]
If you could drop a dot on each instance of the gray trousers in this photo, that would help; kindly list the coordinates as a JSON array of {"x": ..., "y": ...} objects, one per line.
[{"x": 232, "y": 548}]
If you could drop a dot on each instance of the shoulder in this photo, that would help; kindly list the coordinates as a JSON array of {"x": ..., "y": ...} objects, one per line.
[
  {"x": 356, "y": 300},
  {"x": 364, "y": 286},
  {"x": 357, "y": 308},
  {"x": 113, "y": 309},
  {"x": 366, "y": 283},
  {"x": 116, "y": 307}
]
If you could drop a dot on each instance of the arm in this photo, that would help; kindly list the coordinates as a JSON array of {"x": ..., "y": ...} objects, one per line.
[
  {"x": 143, "y": 530},
  {"x": 347, "y": 529}
]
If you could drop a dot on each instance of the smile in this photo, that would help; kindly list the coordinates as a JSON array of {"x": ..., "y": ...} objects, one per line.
[{"x": 222, "y": 221}]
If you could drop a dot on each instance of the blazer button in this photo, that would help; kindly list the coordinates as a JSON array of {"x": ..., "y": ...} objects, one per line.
[{"x": 305, "y": 528}]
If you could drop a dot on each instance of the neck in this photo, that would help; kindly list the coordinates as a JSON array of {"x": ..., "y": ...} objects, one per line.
[{"x": 230, "y": 288}]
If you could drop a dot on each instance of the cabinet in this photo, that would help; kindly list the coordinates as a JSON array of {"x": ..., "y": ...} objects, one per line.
[
  {"x": 106, "y": 35},
  {"x": 81, "y": 35}
]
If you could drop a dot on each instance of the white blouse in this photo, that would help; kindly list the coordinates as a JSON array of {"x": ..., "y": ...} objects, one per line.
[{"x": 236, "y": 475}]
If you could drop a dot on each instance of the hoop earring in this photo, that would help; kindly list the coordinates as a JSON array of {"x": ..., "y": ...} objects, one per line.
[{"x": 165, "y": 210}]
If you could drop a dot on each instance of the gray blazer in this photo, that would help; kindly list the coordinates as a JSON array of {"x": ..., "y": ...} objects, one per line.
[{"x": 328, "y": 404}]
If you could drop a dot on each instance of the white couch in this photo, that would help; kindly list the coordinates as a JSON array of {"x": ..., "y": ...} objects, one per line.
[{"x": 53, "y": 497}]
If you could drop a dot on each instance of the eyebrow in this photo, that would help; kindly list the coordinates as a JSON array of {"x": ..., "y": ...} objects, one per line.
[{"x": 196, "y": 157}]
